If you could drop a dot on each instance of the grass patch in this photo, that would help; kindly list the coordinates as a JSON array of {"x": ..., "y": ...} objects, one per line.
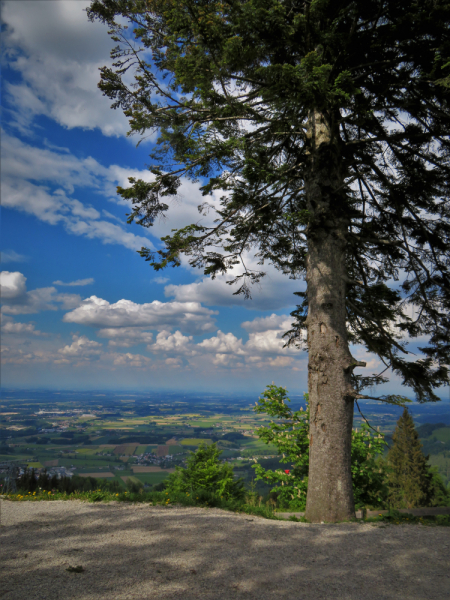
[
  {"x": 152, "y": 478},
  {"x": 205, "y": 499},
  {"x": 195, "y": 441},
  {"x": 397, "y": 518},
  {"x": 176, "y": 449}
]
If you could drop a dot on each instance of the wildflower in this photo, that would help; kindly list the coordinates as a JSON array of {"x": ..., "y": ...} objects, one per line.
[{"x": 287, "y": 471}]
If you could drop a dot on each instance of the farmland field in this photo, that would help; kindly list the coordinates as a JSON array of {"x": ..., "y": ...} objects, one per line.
[
  {"x": 150, "y": 435},
  {"x": 195, "y": 441},
  {"x": 127, "y": 449},
  {"x": 99, "y": 475},
  {"x": 146, "y": 469}
]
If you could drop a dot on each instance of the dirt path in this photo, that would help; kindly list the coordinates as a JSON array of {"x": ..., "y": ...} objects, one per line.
[{"x": 141, "y": 552}]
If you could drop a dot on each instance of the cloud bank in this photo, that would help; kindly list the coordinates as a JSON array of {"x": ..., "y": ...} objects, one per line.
[
  {"x": 16, "y": 300},
  {"x": 188, "y": 316}
]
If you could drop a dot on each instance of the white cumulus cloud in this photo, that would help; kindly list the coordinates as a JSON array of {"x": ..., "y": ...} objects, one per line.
[
  {"x": 274, "y": 292},
  {"x": 81, "y": 346},
  {"x": 187, "y": 316},
  {"x": 265, "y": 323},
  {"x": 12, "y": 284},
  {"x": 167, "y": 342},
  {"x": 16, "y": 300},
  {"x": 57, "y": 53},
  {"x": 124, "y": 337},
  {"x": 223, "y": 343},
  {"x": 11, "y": 327},
  {"x": 130, "y": 360}
]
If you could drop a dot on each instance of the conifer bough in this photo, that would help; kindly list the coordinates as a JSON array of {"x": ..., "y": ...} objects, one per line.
[{"x": 323, "y": 123}]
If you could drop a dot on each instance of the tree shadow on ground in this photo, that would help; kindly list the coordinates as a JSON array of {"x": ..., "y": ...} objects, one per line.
[{"x": 139, "y": 552}]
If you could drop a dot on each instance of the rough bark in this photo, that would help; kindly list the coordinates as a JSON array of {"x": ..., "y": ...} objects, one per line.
[{"x": 331, "y": 396}]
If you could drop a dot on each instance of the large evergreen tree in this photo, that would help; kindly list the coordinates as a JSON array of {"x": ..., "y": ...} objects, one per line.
[
  {"x": 322, "y": 122},
  {"x": 410, "y": 478}
]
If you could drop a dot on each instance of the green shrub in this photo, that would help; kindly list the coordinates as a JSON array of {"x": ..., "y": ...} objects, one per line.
[
  {"x": 204, "y": 473},
  {"x": 290, "y": 434}
]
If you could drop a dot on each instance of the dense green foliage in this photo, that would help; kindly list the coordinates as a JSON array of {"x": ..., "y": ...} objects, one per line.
[
  {"x": 204, "y": 472},
  {"x": 411, "y": 480},
  {"x": 290, "y": 435},
  {"x": 233, "y": 87}
]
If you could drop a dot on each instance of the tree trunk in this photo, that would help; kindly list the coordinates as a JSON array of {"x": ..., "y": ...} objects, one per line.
[{"x": 331, "y": 394}]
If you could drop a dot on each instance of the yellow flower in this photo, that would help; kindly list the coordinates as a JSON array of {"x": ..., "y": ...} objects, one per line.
[{"x": 117, "y": 494}]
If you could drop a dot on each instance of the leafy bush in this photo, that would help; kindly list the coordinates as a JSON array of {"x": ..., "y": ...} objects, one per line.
[
  {"x": 205, "y": 473},
  {"x": 135, "y": 487},
  {"x": 291, "y": 436}
]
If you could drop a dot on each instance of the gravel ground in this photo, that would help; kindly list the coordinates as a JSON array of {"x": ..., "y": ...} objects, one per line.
[{"x": 143, "y": 552}]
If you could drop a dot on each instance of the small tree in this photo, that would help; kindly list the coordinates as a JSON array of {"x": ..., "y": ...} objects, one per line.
[
  {"x": 205, "y": 472},
  {"x": 291, "y": 437},
  {"x": 410, "y": 479}
]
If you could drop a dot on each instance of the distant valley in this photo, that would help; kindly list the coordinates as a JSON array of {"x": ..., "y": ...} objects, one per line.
[{"x": 143, "y": 437}]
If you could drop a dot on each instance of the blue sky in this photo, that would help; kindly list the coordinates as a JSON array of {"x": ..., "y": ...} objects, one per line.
[{"x": 81, "y": 309}]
